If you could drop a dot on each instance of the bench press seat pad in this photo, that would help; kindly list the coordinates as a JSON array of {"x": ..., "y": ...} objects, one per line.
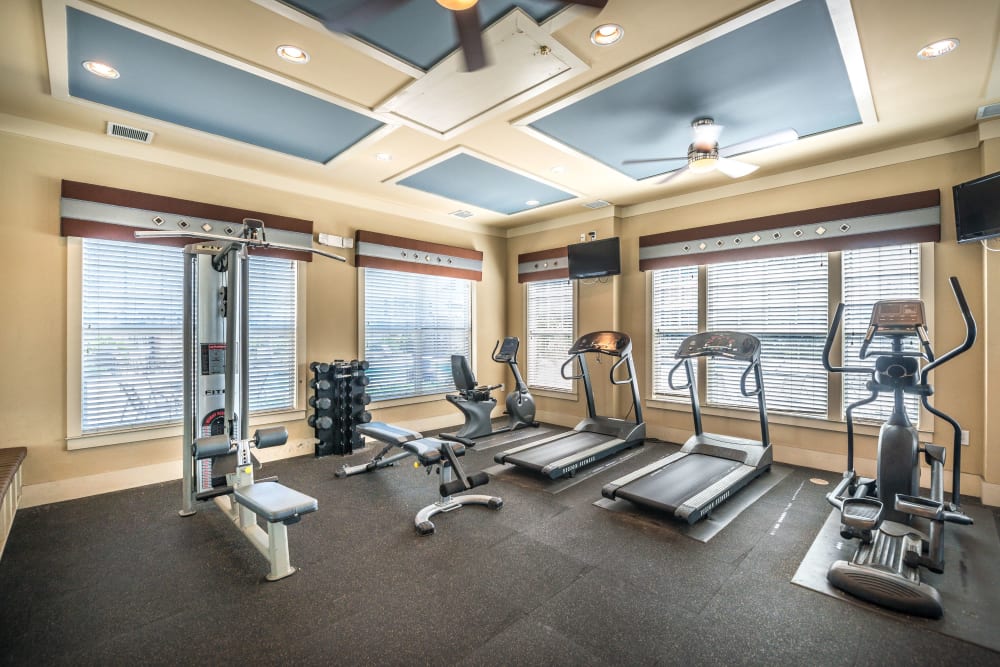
[
  {"x": 275, "y": 502},
  {"x": 428, "y": 450},
  {"x": 387, "y": 433}
]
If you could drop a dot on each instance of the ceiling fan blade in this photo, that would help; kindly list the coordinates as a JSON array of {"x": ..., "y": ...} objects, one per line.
[
  {"x": 760, "y": 143},
  {"x": 653, "y": 159},
  {"x": 672, "y": 175},
  {"x": 470, "y": 37},
  {"x": 735, "y": 168},
  {"x": 364, "y": 12},
  {"x": 600, "y": 4}
]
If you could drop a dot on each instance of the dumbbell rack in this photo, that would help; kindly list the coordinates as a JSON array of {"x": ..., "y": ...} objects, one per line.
[{"x": 338, "y": 401}]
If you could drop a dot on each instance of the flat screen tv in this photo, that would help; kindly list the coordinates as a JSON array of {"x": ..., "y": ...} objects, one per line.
[
  {"x": 593, "y": 259},
  {"x": 977, "y": 208}
]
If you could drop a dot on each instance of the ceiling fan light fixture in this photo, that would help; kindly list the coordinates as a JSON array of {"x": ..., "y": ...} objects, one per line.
[
  {"x": 938, "y": 48},
  {"x": 292, "y": 54},
  {"x": 607, "y": 34},
  {"x": 100, "y": 69},
  {"x": 703, "y": 163},
  {"x": 457, "y": 5}
]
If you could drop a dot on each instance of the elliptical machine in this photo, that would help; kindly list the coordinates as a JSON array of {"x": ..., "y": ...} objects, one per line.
[
  {"x": 882, "y": 512},
  {"x": 475, "y": 402}
]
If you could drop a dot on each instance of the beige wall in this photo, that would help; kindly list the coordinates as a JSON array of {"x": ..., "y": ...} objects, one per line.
[
  {"x": 33, "y": 260},
  {"x": 623, "y": 303}
]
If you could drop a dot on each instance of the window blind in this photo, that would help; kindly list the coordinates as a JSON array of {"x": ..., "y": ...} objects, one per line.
[
  {"x": 413, "y": 324},
  {"x": 550, "y": 333},
  {"x": 675, "y": 317},
  {"x": 272, "y": 324},
  {"x": 132, "y": 338},
  {"x": 870, "y": 275},
  {"x": 783, "y": 301}
]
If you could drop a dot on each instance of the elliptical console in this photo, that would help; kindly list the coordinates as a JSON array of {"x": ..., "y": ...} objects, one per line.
[{"x": 883, "y": 513}]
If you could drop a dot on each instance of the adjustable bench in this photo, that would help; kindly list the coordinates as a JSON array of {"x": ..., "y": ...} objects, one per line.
[
  {"x": 428, "y": 452},
  {"x": 10, "y": 488}
]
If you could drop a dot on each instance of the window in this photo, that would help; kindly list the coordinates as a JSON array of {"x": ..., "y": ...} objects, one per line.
[
  {"x": 675, "y": 317},
  {"x": 870, "y": 275},
  {"x": 550, "y": 333},
  {"x": 785, "y": 302},
  {"x": 413, "y": 323},
  {"x": 782, "y": 301},
  {"x": 131, "y": 343}
]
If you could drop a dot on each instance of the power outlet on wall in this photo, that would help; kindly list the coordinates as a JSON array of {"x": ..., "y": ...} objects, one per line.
[{"x": 965, "y": 437}]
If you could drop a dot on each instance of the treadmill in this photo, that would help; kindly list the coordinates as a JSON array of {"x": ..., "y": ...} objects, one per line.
[
  {"x": 710, "y": 467},
  {"x": 595, "y": 437}
]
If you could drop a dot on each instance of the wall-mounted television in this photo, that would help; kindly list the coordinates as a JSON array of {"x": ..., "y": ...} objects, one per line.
[
  {"x": 977, "y": 208},
  {"x": 593, "y": 259}
]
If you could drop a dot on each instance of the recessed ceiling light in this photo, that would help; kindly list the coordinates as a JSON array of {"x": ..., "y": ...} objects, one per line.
[
  {"x": 102, "y": 70},
  {"x": 938, "y": 48},
  {"x": 607, "y": 34},
  {"x": 384, "y": 157},
  {"x": 292, "y": 54},
  {"x": 457, "y": 5},
  {"x": 532, "y": 202}
]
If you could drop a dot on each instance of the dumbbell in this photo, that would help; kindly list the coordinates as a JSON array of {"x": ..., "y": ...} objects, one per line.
[
  {"x": 321, "y": 403},
  {"x": 361, "y": 399},
  {"x": 322, "y": 423},
  {"x": 362, "y": 365}
]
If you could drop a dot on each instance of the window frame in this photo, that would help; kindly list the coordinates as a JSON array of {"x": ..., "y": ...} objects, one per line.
[
  {"x": 76, "y": 439},
  {"x": 425, "y": 398},
  {"x": 834, "y": 418},
  {"x": 568, "y": 394}
]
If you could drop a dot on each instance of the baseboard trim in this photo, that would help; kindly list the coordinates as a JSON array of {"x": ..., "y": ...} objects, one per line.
[
  {"x": 991, "y": 494},
  {"x": 105, "y": 482}
]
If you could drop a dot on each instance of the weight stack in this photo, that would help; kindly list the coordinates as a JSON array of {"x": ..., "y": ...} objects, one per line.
[{"x": 338, "y": 401}]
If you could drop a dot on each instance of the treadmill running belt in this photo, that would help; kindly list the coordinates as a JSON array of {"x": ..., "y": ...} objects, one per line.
[
  {"x": 537, "y": 458},
  {"x": 669, "y": 487}
]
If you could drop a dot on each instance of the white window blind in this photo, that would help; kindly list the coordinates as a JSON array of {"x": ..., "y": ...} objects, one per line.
[
  {"x": 413, "y": 324},
  {"x": 132, "y": 335},
  {"x": 870, "y": 275},
  {"x": 675, "y": 317},
  {"x": 272, "y": 323},
  {"x": 782, "y": 301},
  {"x": 550, "y": 333}
]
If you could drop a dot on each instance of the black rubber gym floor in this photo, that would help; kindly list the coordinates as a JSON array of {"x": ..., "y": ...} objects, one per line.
[{"x": 549, "y": 579}]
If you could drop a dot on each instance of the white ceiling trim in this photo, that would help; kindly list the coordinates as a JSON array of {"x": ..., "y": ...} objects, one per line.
[
  {"x": 100, "y": 142},
  {"x": 54, "y": 19},
  {"x": 911, "y": 153}
]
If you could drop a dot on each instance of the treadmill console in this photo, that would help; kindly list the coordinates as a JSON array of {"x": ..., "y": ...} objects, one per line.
[
  {"x": 727, "y": 344},
  {"x": 614, "y": 343},
  {"x": 897, "y": 316}
]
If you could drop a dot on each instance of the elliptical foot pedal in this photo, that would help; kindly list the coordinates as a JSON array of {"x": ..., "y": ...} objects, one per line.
[{"x": 861, "y": 513}]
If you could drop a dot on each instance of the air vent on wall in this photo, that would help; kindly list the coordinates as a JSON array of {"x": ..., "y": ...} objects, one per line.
[
  {"x": 600, "y": 203},
  {"x": 131, "y": 133},
  {"x": 988, "y": 111},
  {"x": 461, "y": 213}
]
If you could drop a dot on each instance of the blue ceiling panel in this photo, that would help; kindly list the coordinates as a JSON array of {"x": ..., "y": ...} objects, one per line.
[
  {"x": 468, "y": 179},
  {"x": 167, "y": 82},
  {"x": 782, "y": 71},
  {"x": 420, "y": 32}
]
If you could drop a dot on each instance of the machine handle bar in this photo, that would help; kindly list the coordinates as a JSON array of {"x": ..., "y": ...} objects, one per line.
[
  {"x": 830, "y": 336},
  {"x": 562, "y": 369},
  {"x": 670, "y": 377},
  {"x": 251, "y": 243},
  {"x": 615, "y": 367},
  {"x": 743, "y": 381},
  {"x": 970, "y": 331}
]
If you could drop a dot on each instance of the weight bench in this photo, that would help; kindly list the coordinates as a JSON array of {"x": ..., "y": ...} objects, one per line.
[
  {"x": 428, "y": 452},
  {"x": 280, "y": 506},
  {"x": 10, "y": 488}
]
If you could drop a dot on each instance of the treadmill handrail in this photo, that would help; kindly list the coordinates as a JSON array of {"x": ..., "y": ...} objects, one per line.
[
  {"x": 611, "y": 375},
  {"x": 562, "y": 369},
  {"x": 670, "y": 377},
  {"x": 743, "y": 382}
]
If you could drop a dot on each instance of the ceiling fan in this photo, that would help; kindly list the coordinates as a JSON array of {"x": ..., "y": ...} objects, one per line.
[
  {"x": 464, "y": 12},
  {"x": 704, "y": 154}
]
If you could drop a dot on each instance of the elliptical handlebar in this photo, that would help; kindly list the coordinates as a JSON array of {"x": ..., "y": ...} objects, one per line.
[
  {"x": 970, "y": 331},
  {"x": 830, "y": 337}
]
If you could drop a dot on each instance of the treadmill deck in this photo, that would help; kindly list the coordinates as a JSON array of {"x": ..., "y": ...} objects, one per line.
[{"x": 669, "y": 487}]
